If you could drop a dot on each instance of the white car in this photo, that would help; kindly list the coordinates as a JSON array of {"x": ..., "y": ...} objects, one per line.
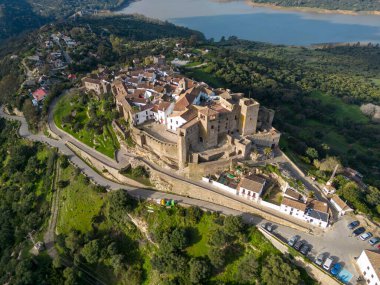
[
  {"x": 365, "y": 236},
  {"x": 328, "y": 263}
]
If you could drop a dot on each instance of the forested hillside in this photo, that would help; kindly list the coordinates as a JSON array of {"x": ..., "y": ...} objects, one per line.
[
  {"x": 352, "y": 5},
  {"x": 25, "y": 190},
  {"x": 17, "y": 16}
]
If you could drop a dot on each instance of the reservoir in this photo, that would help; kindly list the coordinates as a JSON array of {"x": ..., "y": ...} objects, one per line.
[{"x": 238, "y": 18}]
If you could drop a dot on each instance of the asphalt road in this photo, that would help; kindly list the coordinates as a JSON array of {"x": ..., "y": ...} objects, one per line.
[{"x": 335, "y": 241}]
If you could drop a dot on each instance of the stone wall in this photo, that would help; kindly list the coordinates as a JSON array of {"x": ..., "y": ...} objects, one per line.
[
  {"x": 159, "y": 147},
  {"x": 107, "y": 171},
  {"x": 196, "y": 171}
]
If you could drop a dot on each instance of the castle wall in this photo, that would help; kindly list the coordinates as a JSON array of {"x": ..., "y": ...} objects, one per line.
[{"x": 159, "y": 147}]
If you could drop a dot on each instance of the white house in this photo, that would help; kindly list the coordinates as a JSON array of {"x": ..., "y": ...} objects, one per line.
[
  {"x": 340, "y": 205},
  {"x": 251, "y": 187},
  {"x": 164, "y": 109},
  {"x": 293, "y": 208},
  {"x": 329, "y": 189},
  {"x": 369, "y": 265},
  {"x": 317, "y": 213},
  {"x": 175, "y": 121}
]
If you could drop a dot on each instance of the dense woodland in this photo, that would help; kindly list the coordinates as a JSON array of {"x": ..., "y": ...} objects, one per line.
[
  {"x": 352, "y": 5},
  {"x": 17, "y": 16},
  {"x": 25, "y": 188}
]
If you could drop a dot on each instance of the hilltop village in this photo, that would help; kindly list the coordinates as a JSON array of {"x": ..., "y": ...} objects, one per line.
[{"x": 187, "y": 123}]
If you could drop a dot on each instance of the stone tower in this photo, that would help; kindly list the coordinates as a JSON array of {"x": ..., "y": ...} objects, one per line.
[
  {"x": 208, "y": 135},
  {"x": 182, "y": 150},
  {"x": 249, "y": 111}
]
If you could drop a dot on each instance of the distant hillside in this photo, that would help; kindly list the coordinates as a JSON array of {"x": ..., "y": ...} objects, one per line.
[
  {"x": 17, "y": 16},
  {"x": 351, "y": 5}
]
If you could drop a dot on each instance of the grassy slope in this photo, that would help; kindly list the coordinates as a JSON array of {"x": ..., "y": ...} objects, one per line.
[
  {"x": 79, "y": 204},
  {"x": 106, "y": 143}
]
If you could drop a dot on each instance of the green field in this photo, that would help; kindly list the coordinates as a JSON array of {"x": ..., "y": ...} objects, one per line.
[
  {"x": 106, "y": 142},
  {"x": 79, "y": 203}
]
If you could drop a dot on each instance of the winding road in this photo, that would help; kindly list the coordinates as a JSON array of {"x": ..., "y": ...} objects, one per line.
[{"x": 336, "y": 240}]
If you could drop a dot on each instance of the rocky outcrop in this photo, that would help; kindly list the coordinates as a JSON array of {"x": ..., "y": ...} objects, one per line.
[{"x": 372, "y": 111}]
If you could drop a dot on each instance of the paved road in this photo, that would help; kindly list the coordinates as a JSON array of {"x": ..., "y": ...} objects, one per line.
[
  {"x": 335, "y": 241},
  {"x": 124, "y": 156}
]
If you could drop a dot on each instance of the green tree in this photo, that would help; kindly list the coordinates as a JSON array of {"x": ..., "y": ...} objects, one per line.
[
  {"x": 312, "y": 153},
  {"x": 199, "y": 270},
  {"x": 91, "y": 251},
  {"x": 217, "y": 257},
  {"x": 248, "y": 269},
  {"x": 276, "y": 271},
  {"x": 233, "y": 225},
  {"x": 218, "y": 238}
]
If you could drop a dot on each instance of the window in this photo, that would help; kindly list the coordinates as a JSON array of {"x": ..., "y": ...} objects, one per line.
[
  {"x": 364, "y": 273},
  {"x": 371, "y": 275},
  {"x": 368, "y": 267},
  {"x": 212, "y": 127},
  {"x": 146, "y": 112},
  {"x": 176, "y": 122}
]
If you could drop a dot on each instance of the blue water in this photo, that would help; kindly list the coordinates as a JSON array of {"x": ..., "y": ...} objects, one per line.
[
  {"x": 344, "y": 276},
  {"x": 290, "y": 29},
  {"x": 217, "y": 18}
]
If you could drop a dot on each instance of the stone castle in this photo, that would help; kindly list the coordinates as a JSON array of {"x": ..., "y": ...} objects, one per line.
[{"x": 187, "y": 123}]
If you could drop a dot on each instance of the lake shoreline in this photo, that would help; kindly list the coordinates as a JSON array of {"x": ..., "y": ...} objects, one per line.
[{"x": 312, "y": 10}]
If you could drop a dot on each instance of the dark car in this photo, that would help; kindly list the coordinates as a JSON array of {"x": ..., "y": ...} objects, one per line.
[
  {"x": 305, "y": 249},
  {"x": 353, "y": 225},
  {"x": 358, "y": 231},
  {"x": 292, "y": 241},
  {"x": 298, "y": 245}
]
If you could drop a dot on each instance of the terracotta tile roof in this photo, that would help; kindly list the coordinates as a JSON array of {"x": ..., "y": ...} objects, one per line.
[
  {"x": 189, "y": 114},
  {"x": 294, "y": 204},
  {"x": 340, "y": 203},
  {"x": 219, "y": 108},
  {"x": 253, "y": 183},
  {"x": 39, "y": 94},
  {"x": 374, "y": 259},
  {"x": 208, "y": 112},
  {"x": 293, "y": 194},
  {"x": 163, "y": 106},
  {"x": 186, "y": 99},
  {"x": 190, "y": 123},
  {"x": 318, "y": 206}
]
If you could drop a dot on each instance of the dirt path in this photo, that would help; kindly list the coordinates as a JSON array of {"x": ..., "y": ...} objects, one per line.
[{"x": 49, "y": 236}]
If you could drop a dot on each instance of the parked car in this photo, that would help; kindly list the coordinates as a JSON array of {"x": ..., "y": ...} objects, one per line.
[
  {"x": 365, "y": 236},
  {"x": 267, "y": 226},
  {"x": 374, "y": 241},
  {"x": 319, "y": 259},
  {"x": 305, "y": 249},
  {"x": 328, "y": 263},
  {"x": 353, "y": 225},
  {"x": 298, "y": 245},
  {"x": 358, "y": 231},
  {"x": 336, "y": 269},
  {"x": 293, "y": 240}
]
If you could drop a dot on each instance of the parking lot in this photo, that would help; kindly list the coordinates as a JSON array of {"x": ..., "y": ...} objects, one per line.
[{"x": 337, "y": 242}]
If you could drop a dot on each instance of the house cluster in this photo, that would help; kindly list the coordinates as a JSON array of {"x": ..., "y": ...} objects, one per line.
[
  {"x": 60, "y": 37},
  {"x": 253, "y": 187},
  {"x": 199, "y": 116},
  {"x": 309, "y": 210},
  {"x": 249, "y": 186}
]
